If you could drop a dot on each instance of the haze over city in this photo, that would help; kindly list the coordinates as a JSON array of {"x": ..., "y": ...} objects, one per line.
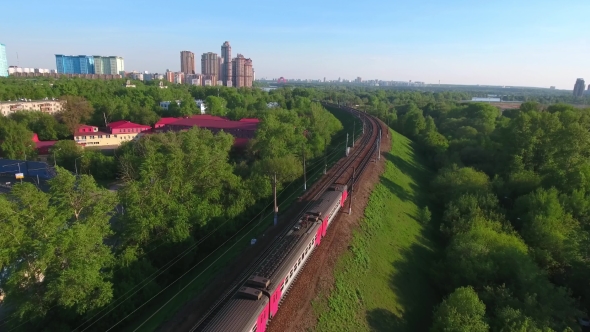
[{"x": 530, "y": 43}]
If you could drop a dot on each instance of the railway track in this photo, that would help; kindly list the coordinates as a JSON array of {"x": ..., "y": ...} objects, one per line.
[{"x": 365, "y": 148}]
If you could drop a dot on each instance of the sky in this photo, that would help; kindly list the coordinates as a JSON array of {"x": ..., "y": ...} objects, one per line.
[{"x": 518, "y": 43}]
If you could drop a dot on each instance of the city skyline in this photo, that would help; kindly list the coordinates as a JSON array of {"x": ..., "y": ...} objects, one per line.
[{"x": 499, "y": 43}]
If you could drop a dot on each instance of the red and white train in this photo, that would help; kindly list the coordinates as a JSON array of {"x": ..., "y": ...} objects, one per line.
[{"x": 258, "y": 300}]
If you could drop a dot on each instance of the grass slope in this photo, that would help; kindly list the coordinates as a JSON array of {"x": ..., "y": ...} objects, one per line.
[{"x": 382, "y": 282}]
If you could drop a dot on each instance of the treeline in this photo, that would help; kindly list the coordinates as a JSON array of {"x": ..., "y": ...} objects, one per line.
[{"x": 511, "y": 193}]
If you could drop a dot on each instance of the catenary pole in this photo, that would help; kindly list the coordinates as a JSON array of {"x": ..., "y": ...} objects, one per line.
[{"x": 274, "y": 191}]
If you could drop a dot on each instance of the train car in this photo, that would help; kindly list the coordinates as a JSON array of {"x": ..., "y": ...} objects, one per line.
[
  {"x": 246, "y": 311},
  {"x": 249, "y": 311}
]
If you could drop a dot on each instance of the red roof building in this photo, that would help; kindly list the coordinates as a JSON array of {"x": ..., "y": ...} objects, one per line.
[
  {"x": 42, "y": 147},
  {"x": 124, "y": 126},
  {"x": 239, "y": 129},
  {"x": 116, "y": 133}
]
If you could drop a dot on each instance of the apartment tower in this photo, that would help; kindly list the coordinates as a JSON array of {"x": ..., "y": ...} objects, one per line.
[
  {"x": 226, "y": 69},
  {"x": 579, "y": 87},
  {"x": 242, "y": 72},
  {"x": 187, "y": 62},
  {"x": 210, "y": 66}
]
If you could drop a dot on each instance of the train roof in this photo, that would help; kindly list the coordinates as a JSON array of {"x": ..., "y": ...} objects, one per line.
[
  {"x": 325, "y": 202},
  {"x": 240, "y": 313},
  {"x": 282, "y": 255}
]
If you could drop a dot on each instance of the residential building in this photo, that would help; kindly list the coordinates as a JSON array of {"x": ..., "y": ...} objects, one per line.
[
  {"x": 210, "y": 65},
  {"x": 170, "y": 76},
  {"x": 242, "y": 72},
  {"x": 179, "y": 78},
  {"x": 45, "y": 106},
  {"x": 3, "y": 61},
  {"x": 74, "y": 64},
  {"x": 113, "y": 135},
  {"x": 112, "y": 65},
  {"x": 193, "y": 79},
  {"x": 209, "y": 80},
  {"x": 579, "y": 87},
  {"x": 226, "y": 69},
  {"x": 187, "y": 62}
]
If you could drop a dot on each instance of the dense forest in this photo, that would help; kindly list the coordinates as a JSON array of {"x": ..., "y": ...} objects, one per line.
[{"x": 511, "y": 196}]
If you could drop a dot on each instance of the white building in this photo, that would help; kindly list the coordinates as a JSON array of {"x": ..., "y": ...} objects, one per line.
[
  {"x": 200, "y": 105},
  {"x": 45, "y": 106}
]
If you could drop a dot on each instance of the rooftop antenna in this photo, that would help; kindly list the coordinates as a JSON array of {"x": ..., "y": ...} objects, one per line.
[{"x": 17, "y": 62}]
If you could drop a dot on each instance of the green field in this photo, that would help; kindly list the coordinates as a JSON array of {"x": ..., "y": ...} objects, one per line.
[{"x": 382, "y": 283}]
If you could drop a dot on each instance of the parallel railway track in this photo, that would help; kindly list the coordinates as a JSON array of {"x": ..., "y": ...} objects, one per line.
[{"x": 365, "y": 149}]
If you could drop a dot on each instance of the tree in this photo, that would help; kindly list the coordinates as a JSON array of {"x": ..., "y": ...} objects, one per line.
[
  {"x": 552, "y": 233},
  {"x": 16, "y": 140},
  {"x": 215, "y": 105},
  {"x": 462, "y": 311},
  {"x": 65, "y": 153},
  {"x": 76, "y": 110},
  {"x": 53, "y": 246}
]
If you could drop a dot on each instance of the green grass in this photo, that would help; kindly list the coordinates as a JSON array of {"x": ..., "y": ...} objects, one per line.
[{"x": 382, "y": 283}]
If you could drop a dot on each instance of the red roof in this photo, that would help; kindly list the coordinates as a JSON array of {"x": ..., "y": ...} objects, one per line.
[
  {"x": 85, "y": 126},
  {"x": 209, "y": 117},
  {"x": 205, "y": 123},
  {"x": 253, "y": 120},
  {"x": 42, "y": 144},
  {"x": 164, "y": 121},
  {"x": 126, "y": 124}
]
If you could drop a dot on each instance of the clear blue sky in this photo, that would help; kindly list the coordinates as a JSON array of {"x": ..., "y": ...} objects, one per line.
[{"x": 519, "y": 42}]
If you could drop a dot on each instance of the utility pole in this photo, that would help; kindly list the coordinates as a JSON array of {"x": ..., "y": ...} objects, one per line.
[
  {"x": 346, "y": 146},
  {"x": 304, "y": 175},
  {"x": 353, "y": 129},
  {"x": 379, "y": 146},
  {"x": 325, "y": 156},
  {"x": 351, "y": 191},
  {"x": 274, "y": 191}
]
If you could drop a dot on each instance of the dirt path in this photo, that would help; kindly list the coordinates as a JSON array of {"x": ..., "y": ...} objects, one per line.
[{"x": 296, "y": 312}]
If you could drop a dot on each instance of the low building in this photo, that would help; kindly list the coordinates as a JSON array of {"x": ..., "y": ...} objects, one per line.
[
  {"x": 42, "y": 147},
  {"x": 113, "y": 135},
  {"x": 45, "y": 106},
  {"x": 244, "y": 128}
]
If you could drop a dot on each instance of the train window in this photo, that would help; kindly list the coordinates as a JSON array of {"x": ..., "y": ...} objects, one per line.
[{"x": 254, "y": 328}]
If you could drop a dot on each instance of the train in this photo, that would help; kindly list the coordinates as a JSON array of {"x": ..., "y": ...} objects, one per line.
[{"x": 258, "y": 299}]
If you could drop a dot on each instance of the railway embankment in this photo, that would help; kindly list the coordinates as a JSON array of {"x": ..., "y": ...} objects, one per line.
[{"x": 381, "y": 283}]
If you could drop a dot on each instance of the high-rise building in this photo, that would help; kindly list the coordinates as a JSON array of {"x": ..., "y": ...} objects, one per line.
[
  {"x": 187, "y": 62},
  {"x": 242, "y": 71},
  {"x": 210, "y": 65},
  {"x": 579, "y": 87},
  {"x": 3, "y": 61},
  {"x": 170, "y": 76},
  {"x": 112, "y": 65},
  {"x": 74, "y": 64},
  {"x": 226, "y": 69}
]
